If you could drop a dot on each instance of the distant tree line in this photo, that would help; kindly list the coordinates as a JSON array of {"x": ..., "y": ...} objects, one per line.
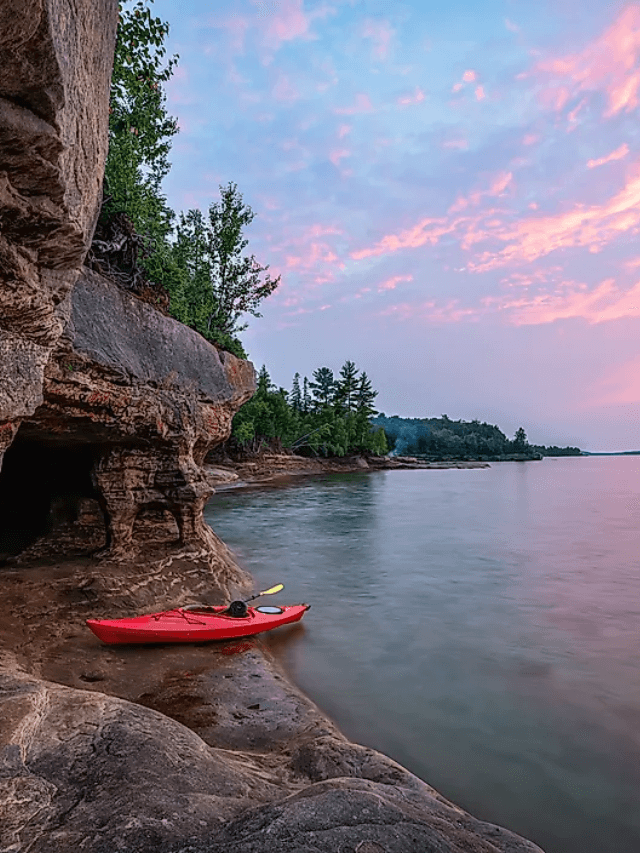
[
  {"x": 327, "y": 415},
  {"x": 443, "y": 438},
  {"x": 552, "y": 450}
]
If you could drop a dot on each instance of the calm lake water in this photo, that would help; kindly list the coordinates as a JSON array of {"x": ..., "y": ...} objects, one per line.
[{"x": 481, "y": 627}]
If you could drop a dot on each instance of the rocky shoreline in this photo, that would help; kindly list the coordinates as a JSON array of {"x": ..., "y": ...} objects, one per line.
[
  {"x": 192, "y": 749},
  {"x": 281, "y": 468}
]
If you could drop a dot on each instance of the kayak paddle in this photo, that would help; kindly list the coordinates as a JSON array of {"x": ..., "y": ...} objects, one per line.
[{"x": 269, "y": 591}]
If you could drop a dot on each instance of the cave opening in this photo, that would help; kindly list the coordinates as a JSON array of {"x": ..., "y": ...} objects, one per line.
[{"x": 44, "y": 485}]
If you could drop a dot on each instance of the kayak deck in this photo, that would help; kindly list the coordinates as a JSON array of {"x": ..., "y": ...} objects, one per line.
[{"x": 191, "y": 625}]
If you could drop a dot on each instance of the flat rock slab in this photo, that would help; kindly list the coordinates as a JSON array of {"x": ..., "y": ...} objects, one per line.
[{"x": 194, "y": 748}]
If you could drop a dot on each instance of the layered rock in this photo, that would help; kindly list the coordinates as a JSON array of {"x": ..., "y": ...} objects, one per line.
[
  {"x": 143, "y": 399},
  {"x": 55, "y": 69}
]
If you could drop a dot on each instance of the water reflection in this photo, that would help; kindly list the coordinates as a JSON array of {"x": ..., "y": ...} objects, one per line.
[{"x": 480, "y": 626}]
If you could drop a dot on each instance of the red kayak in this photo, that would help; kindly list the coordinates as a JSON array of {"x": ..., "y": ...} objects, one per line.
[{"x": 193, "y": 625}]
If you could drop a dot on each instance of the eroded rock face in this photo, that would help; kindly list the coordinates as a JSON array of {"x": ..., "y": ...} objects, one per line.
[
  {"x": 55, "y": 69},
  {"x": 147, "y": 397}
]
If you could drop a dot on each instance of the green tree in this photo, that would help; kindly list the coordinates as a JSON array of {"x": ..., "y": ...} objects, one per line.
[
  {"x": 347, "y": 386},
  {"x": 365, "y": 396},
  {"x": 235, "y": 280},
  {"x": 324, "y": 387},
  {"x": 264, "y": 382},
  {"x": 140, "y": 130},
  {"x": 219, "y": 284},
  {"x": 520, "y": 442},
  {"x": 306, "y": 397},
  {"x": 295, "y": 398}
]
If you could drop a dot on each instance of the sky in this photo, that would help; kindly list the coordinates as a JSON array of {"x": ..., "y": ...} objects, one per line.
[{"x": 449, "y": 191}]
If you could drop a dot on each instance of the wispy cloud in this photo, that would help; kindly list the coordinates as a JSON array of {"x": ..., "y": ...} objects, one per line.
[
  {"x": 609, "y": 65},
  {"x": 602, "y": 304},
  {"x": 618, "y": 154},
  {"x": 392, "y": 283},
  {"x": 592, "y": 226}
]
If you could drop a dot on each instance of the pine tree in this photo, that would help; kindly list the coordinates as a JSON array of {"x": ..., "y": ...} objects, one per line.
[
  {"x": 324, "y": 386},
  {"x": 306, "y": 397},
  {"x": 365, "y": 396},
  {"x": 264, "y": 382},
  {"x": 295, "y": 398},
  {"x": 347, "y": 386}
]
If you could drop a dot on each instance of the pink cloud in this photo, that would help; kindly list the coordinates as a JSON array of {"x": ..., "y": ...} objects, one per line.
[
  {"x": 514, "y": 28},
  {"x": 500, "y": 184},
  {"x": 282, "y": 21},
  {"x": 604, "y": 303},
  {"x": 319, "y": 230},
  {"x": 469, "y": 76},
  {"x": 338, "y": 154},
  {"x": 362, "y": 105},
  {"x": 391, "y": 283},
  {"x": 415, "y": 98},
  {"x": 497, "y": 188},
  {"x": 480, "y": 93},
  {"x": 343, "y": 130},
  {"x": 380, "y": 33},
  {"x": 426, "y": 231},
  {"x": 530, "y": 139},
  {"x": 535, "y": 237},
  {"x": 618, "y": 154},
  {"x": 457, "y": 87},
  {"x": 608, "y": 64},
  {"x": 572, "y": 117}
]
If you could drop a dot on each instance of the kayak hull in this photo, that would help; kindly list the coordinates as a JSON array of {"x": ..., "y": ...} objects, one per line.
[{"x": 192, "y": 626}]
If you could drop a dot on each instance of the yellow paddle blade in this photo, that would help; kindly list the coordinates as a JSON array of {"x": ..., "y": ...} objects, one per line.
[{"x": 271, "y": 590}]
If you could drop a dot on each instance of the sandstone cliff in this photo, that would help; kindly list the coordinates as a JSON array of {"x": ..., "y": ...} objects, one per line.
[
  {"x": 107, "y": 409},
  {"x": 55, "y": 67}
]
